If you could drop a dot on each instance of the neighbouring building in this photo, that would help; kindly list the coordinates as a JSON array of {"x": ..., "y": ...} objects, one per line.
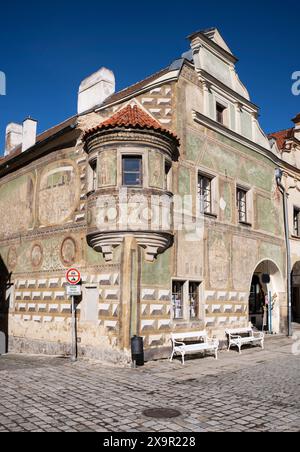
[{"x": 164, "y": 196}]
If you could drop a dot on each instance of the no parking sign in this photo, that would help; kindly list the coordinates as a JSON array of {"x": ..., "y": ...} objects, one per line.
[{"x": 73, "y": 276}]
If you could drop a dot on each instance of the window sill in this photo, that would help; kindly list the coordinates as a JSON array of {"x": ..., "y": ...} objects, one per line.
[
  {"x": 244, "y": 223},
  {"x": 210, "y": 215},
  {"x": 295, "y": 237}
]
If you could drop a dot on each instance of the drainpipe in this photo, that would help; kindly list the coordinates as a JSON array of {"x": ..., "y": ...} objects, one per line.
[{"x": 278, "y": 176}]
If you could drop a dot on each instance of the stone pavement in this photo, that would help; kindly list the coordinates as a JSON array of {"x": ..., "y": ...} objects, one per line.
[{"x": 257, "y": 391}]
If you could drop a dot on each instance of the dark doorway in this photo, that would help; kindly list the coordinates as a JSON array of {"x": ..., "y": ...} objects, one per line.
[
  {"x": 256, "y": 302},
  {"x": 5, "y": 293},
  {"x": 296, "y": 293}
]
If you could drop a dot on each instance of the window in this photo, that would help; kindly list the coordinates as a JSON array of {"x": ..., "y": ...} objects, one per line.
[
  {"x": 241, "y": 200},
  {"x": 168, "y": 173},
  {"x": 94, "y": 175},
  {"x": 132, "y": 171},
  {"x": 297, "y": 222},
  {"x": 205, "y": 193},
  {"x": 220, "y": 113},
  {"x": 177, "y": 298},
  {"x": 194, "y": 299}
]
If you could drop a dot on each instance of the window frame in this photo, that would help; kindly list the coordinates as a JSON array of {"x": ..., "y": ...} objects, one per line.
[
  {"x": 94, "y": 168},
  {"x": 168, "y": 175},
  {"x": 174, "y": 306},
  {"x": 141, "y": 173},
  {"x": 202, "y": 176},
  {"x": 240, "y": 212},
  {"x": 197, "y": 302},
  {"x": 220, "y": 110}
]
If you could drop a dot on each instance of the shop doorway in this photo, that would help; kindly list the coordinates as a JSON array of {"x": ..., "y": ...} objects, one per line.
[
  {"x": 296, "y": 293},
  {"x": 267, "y": 285}
]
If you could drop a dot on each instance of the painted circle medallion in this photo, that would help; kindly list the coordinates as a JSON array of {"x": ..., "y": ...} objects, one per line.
[
  {"x": 12, "y": 257},
  {"x": 68, "y": 251},
  {"x": 36, "y": 255}
]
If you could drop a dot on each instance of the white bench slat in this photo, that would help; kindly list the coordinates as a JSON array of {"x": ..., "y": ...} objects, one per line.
[
  {"x": 195, "y": 334},
  {"x": 206, "y": 344}
]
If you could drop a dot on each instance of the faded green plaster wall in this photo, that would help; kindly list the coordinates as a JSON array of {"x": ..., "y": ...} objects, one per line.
[
  {"x": 194, "y": 146},
  {"x": 246, "y": 122},
  {"x": 158, "y": 272},
  {"x": 184, "y": 181},
  {"x": 107, "y": 168},
  {"x": 266, "y": 215},
  {"x": 226, "y": 193},
  {"x": 156, "y": 169},
  {"x": 273, "y": 252}
]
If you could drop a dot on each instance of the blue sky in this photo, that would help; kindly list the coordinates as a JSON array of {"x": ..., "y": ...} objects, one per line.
[{"x": 47, "y": 48}]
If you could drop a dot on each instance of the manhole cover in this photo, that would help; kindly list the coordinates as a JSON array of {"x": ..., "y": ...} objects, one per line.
[{"x": 161, "y": 413}]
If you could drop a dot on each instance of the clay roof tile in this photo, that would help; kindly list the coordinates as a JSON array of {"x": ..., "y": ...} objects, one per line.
[{"x": 130, "y": 116}]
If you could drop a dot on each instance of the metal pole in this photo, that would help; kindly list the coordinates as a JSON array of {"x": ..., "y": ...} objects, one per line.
[
  {"x": 74, "y": 354},
  {"x": 270, "y": 314},
  {"x": 278, "y": 175}
]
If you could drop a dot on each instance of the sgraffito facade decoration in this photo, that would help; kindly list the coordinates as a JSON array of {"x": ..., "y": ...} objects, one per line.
[{"x": 164, "y": 197}]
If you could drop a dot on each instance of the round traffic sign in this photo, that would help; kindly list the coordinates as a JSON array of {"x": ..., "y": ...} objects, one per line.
[{"x": 73, "y": 276}]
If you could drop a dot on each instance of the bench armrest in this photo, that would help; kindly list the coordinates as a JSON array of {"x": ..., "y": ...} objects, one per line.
[
  {"x": 234, "y": 336},
  {"x": 175, "y": 343}
]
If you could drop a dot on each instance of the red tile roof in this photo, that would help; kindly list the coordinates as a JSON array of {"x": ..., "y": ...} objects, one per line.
[
  {"x": 282, "y": 136},
  {"x": 130, "y": 117}
]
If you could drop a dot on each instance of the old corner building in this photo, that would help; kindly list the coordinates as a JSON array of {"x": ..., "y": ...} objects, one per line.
[{"x": 164, "y": 196}]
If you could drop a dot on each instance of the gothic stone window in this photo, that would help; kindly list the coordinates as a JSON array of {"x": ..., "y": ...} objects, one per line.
[{"x": 132, "y": 168}]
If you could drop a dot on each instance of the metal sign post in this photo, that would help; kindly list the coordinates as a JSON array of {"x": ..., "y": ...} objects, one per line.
[
  {"x": 73, "y": 290},
  {"x": 74, "y": 345}
]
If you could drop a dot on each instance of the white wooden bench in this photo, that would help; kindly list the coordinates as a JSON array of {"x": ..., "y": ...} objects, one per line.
[
  {"x": 199, "y": 342},
  {"x": 244, "y": 336}
]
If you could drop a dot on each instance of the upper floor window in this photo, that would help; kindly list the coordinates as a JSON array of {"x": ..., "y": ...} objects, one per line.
[
  {"x": 296, "y": 222},
  {"x": 220, "y": 113},
  {"x": 205, "y": 193},
  {"x": 241, "y": 200},
  {"x": 132, "y": 169}
]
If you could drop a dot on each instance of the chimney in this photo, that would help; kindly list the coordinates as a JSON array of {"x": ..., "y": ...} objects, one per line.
[
  {"x": 13, "y": 137},
  {"x": 29, "y": 134},
  {"x": 297, "y": 127},
  {"x": 95, "y": 89}
]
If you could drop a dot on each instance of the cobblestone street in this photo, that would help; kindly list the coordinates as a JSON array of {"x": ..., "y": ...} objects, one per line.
[{"x": 257, "y": 391}]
